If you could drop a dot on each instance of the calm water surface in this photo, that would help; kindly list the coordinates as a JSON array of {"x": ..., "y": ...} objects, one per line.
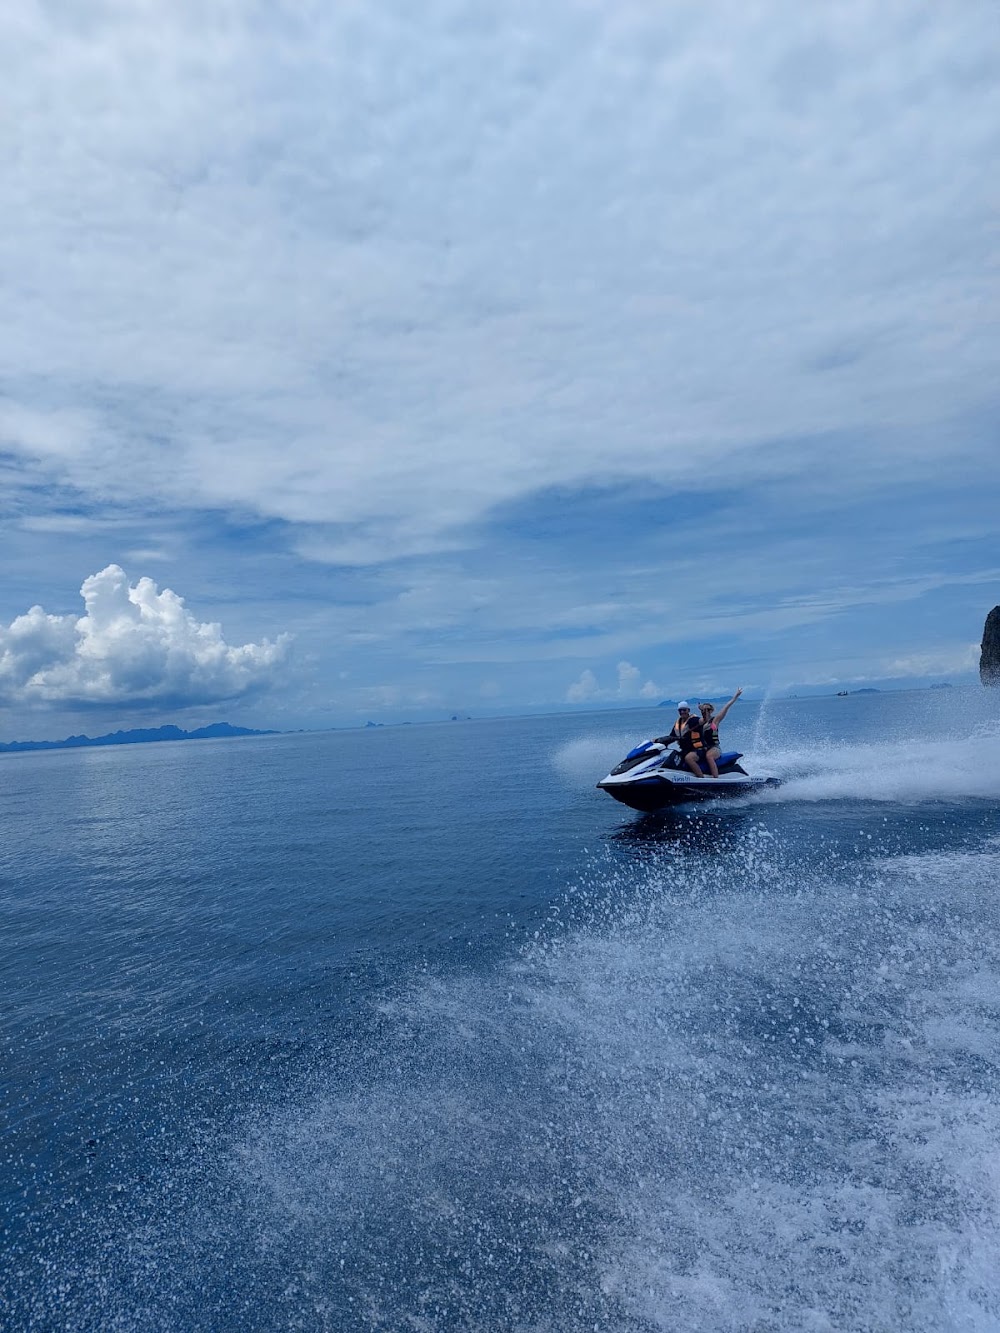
[{"x": 412, "y": 1028}]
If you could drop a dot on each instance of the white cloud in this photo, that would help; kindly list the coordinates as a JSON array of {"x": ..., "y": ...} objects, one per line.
[
  {"x": 953, "y": 659},
  {"x": 629, "y": 677},
  {"x": 584, "y": 689},
  {"x": 949, "y": 659},
  {"x": 385, "y": 273},
  {"x": 373, "y": 272},
  {"x": 62, "y": 524},
  {"x": 134, "y": 645},
  {"x": 587, "y": 689}
]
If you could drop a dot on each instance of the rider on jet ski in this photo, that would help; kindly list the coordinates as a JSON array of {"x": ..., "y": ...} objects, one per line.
[
  {"x": 710, "y": 730},
  {"x": 686, "y": 732},
  {"x": 698, "y": 738}
]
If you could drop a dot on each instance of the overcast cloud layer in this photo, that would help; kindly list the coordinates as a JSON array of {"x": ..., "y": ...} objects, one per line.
[{"x": 340, "y": 316}]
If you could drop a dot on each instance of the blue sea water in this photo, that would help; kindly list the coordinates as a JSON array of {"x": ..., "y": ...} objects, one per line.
[{"x": 413, "y": 1029}]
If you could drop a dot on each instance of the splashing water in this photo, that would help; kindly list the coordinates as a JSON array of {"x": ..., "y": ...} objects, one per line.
[
  {"x": 906, "y": 769},
  {"x": 709, "y": 1101},
  {"x": 706, "y": 1107},
  {"x": 760, "y": 731},
  {"x": 902, "y": 771}
]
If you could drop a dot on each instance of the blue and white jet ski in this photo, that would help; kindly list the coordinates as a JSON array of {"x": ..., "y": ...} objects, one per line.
[{"x": 653, "y": 777}]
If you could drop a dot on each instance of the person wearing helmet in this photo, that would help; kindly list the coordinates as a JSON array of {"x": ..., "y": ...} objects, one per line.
[
  {"x": 686, "y": 732},
  {"x": 673, "y": 736}
]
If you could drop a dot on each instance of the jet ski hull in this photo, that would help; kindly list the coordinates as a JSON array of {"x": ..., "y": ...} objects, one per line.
[
  {"x": 650, "y": 780},
  {"x": 660, "y": 792}
]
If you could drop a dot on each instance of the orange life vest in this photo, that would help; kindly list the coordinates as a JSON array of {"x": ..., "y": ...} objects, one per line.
[{"x": 691, "y": 740}]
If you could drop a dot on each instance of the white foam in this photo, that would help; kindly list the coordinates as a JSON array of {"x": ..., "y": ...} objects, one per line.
[
  {"x": 584, "y": 759},
  {"x": 907, "y": 770},
  {"x": 900, "y": 771},
  {"x": 743, "y": 1101}
]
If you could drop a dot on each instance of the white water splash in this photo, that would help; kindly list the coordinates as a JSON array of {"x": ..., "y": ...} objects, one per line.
[
  {"x": 760, "y": 725},
  {"x": 902, "y": 771},
  {"x": 584, "y": 759},
  {"x": 759, "y": 1103},
  {"x": 906, "y": 770}
]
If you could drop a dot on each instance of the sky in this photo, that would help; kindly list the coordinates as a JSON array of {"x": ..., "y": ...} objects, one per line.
[{"x": 392, "y": 361}]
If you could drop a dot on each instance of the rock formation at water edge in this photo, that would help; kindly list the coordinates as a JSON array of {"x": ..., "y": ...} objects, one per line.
[{"x": 989, "y": 661}]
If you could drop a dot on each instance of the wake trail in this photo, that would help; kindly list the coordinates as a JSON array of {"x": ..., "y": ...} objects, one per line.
[{"x": 903, "y": 771}]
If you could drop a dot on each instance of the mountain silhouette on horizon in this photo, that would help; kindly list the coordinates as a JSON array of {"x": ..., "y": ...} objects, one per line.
[{"x": 138, "y": 736}]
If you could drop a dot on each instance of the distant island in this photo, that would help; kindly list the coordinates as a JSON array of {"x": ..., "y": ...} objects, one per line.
[{"x": 138, "y": 736}]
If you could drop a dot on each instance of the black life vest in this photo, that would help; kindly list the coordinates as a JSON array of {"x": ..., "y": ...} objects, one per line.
[{"x": 692, "y": 739}]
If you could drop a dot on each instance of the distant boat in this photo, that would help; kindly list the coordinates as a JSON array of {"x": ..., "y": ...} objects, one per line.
[{"x": 842, "y": 694}]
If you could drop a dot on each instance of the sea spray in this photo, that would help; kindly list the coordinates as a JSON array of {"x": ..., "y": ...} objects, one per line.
[
  {"x": 761, "y": 739},
  {"x": 702, "y": 1095}
]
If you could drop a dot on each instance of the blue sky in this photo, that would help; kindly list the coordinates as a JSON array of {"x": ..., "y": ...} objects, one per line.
[{"x": 390, "y": 361}]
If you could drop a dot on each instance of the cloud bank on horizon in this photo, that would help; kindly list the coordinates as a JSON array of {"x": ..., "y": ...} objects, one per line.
[
  {"x": 505, "y": 346},
  {"x": 630, "y": 686},
  {"x": 134, "y": 646}
]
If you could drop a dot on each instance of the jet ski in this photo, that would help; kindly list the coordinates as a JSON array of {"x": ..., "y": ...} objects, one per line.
[{"x": 653, "y": 777}]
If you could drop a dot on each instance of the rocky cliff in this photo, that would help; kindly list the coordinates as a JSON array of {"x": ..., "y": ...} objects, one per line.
[{"x": 989, "y": 661}]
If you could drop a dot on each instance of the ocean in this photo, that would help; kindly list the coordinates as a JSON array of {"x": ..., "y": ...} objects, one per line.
[{"x": 410, "y": 1028}]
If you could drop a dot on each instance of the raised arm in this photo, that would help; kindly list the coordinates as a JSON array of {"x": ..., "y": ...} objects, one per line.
[{"x": 723, "y": 711}]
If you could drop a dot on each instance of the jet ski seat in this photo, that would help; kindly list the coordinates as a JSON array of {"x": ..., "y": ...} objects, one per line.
[{"x": 727, "y": 757}]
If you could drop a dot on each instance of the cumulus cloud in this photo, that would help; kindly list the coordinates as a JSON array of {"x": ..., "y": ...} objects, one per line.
[
  {"x": 584, "y": 689},
  {"x": 133, "y": 645},
  {"x": 587, "y": 689},
  {"x": 629, "y": 677}
]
